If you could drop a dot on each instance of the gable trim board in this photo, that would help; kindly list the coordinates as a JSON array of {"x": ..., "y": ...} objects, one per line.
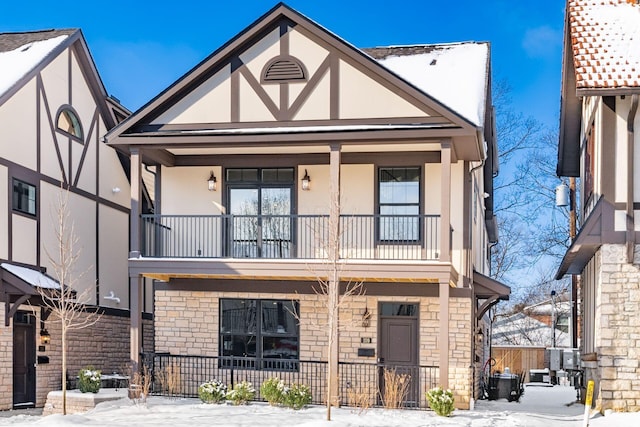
[{"x": 140, "y": 127}]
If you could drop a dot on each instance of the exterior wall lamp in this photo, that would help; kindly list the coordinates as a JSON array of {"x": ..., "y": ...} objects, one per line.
[
  {"x": 45, "y": 338},
  {"x": 212, "y": 182},
  {"x": 366, "y": 318},
  {"x": 480, "y": 335},
  {"x": 306, "y": 181}
]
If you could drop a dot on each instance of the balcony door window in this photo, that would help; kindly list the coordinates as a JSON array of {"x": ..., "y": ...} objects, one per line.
[
  {"x": 399, "y": 204},
  {"x": 260, "y": 207}
]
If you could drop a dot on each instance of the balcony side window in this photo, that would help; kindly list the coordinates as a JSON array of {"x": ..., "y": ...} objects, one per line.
[
  {"x": 399, "y": 204},
  {"x": 24, "y": 197},
  {"x": 261, "y": 334}
]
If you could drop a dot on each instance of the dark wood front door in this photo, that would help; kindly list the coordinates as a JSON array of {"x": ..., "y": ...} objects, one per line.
[
  {"x": 399, "y": 352},
  {"x": 24, "y": 360}
]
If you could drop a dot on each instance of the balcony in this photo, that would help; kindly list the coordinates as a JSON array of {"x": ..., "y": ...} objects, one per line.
[{"x": 362, "y": 237}]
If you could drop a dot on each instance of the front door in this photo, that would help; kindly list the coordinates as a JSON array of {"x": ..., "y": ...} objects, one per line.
[
  {"x": 24, "y": 360},
  {"x": 398, "y": 351}
]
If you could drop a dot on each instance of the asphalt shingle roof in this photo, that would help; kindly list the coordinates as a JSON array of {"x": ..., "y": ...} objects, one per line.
[
  {"x": 11, "y": 41},
  {"x": 605, "y": 39}
]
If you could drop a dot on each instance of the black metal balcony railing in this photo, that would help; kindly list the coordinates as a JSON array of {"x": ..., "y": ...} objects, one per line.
[
  {"x": 180, "y": 376},
  {"x": 400, "y": 237}
]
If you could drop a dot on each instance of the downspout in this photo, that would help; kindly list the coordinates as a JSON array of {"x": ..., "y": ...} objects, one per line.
[{"x": 631, "y": 240}]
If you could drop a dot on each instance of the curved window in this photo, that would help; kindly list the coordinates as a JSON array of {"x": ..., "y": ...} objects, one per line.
[{"x": 69, "y": 124}]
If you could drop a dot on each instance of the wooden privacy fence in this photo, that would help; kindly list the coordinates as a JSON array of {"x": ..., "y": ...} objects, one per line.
[{"x": 518, "y": 359}]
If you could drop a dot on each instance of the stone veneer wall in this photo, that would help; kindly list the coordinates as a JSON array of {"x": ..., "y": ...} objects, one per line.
[
  {"x": 6, "y": 363},
  {"x": 618, "y": 335},
  {"x": 186, "y": 323},
  {"x": 104, "y": 345}
]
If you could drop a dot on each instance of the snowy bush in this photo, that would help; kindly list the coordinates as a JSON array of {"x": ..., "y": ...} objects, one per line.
[
  {"x": 242, "y": 393},
  {"x": 441, "y": 401},
  {"x": 212, "y": 392},
  {"x": 294, "y": 396},
  {"x": 297, "y": 396},
  {"x": 89, "y": 380},
  {"x": 271, "y": 391}
]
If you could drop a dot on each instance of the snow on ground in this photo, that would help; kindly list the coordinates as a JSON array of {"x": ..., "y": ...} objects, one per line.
[{"x": 539, "y": 407}]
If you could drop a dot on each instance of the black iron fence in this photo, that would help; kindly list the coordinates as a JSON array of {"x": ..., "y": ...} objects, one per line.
[
  {"x": 400, "y": 237},
  {"x": 180, "y": 376}
]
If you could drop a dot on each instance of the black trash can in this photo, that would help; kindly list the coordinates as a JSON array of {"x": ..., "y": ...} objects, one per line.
[{"x": 505, "y": 386}]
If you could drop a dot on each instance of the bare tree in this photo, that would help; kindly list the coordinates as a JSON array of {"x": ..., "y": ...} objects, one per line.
[
  {"x": 533, "y": 231},
  {"x": 333, "y": 293},
  {"x": 68, "y": 306}
]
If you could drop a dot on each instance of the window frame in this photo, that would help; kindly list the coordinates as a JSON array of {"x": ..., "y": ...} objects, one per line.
[
  {"x": 419, "y": 204},
  {"x": 70, "y": 110},
  {"x": 257, "y": 362},
  {"x": 15, "y": 202}
]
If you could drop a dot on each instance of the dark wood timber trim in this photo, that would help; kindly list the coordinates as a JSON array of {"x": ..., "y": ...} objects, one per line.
[
  {"x": 277, "y": 160},
  {"x": 304, "y": 288},
  {"x": 262, "y": 94},
  {"x": 308, "y": 88},
  {"x": 87, "y": 143},
  {"x": 294, "y": 124},
  {"x": 40, "y": 177},
  {"x": 54, "y": 136}
]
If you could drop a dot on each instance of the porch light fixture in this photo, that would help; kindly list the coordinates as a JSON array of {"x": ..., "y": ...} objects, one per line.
[
  {"x": 213, "y": 182},
  {"x": 45, "y": 338},
  {"x": 306, "y": 181},
  {"x": 366, "y": 317},
  {"x": 480, "y": 335}
]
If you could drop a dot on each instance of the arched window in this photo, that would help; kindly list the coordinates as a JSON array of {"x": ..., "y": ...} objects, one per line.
[{"x": 68, "y": 123}]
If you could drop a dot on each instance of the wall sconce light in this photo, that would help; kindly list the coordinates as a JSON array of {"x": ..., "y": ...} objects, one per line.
[
  {"x": 45, "y": 338},
  {"x": 306, "y": 181},
  {"x": 213, "y": 182},
  {"x": 480, "y": 335},
  {"x": 366, "y": 317}
]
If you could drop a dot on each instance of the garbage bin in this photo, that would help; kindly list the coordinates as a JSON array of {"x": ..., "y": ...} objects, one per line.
[{"x": 505, "y": 386}]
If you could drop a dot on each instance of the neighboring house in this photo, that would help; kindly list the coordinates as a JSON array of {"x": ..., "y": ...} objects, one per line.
[
  {"x": 599, "y": 139},
  {"x": 249, "y": 149},
  {"x": 54, "y": 112},
  {"x": 520, "y": 340}
]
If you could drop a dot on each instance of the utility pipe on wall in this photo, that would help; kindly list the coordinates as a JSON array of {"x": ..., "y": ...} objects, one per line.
[{"x": 631, "y": 238}]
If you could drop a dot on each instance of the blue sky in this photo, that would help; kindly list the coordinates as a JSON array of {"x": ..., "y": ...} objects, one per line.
[{"x": 142, "y": 47}]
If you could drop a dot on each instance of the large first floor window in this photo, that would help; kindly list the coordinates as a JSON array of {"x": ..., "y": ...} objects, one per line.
[
  {"x": 24, "y": 197},
  {"x": 263, "y": 334}
]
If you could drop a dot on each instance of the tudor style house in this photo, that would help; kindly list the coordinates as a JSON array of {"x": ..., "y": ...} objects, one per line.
[
  {"x": 286, "y": 135},
  {"x": 54, "y": 111},
  {"x": 598, "y": 143}
]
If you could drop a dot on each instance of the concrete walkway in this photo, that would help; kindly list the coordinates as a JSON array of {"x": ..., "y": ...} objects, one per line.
[{"x": 538, "y": 399}]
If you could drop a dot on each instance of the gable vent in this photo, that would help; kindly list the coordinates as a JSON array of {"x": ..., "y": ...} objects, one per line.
[{"x": 284, "y": 69}]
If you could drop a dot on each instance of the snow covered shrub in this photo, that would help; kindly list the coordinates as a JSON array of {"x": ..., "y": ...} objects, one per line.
[
  {"x": 441, "y": 401},
  {"x": 212, "y": 392},
  {"x": 242, "y": 393},
  {"x": 89, "y": 380},
  {"x": 271, "y": 391},
  {"x": 297, "y": 396}
]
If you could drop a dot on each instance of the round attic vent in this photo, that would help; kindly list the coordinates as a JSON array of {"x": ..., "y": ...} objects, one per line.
[{"x": 284, "y": 69}]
